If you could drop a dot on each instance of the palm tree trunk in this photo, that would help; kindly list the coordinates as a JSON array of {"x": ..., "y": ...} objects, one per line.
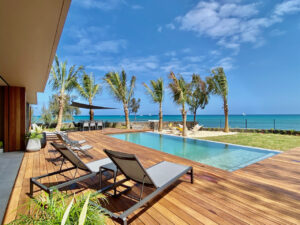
[
  {"x": 60, "y": 113},
  {"x": 226, "y": 128},
  {"x": 126, "y": 117},
  {"x": 184, "y": 133},
  {"x": 91, "y": 114},
  {"x": 195, "y": 113},
  {"x": 160, "y": 125}
]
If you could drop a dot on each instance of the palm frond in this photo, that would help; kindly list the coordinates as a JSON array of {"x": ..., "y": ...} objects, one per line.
[
  {"x": 156, "y": 91},
  {"x": 180, "y": 89},
  {"x": 87, "y": 87},
  {"x": 217, "y": 82},
  {"x": 118, "y": 86},
  {"x": 131, "y": 88}
]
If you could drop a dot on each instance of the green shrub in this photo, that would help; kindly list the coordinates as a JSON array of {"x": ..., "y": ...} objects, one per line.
[
  {"x": 35, "y": 133},
  {"x": 1, "y": 144},
  {"x": 51, "y": 211}
]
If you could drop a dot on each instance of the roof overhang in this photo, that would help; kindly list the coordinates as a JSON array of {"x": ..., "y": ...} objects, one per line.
[{"x": 30, "y": 32}]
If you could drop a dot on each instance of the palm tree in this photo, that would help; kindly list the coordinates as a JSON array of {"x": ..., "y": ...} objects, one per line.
[
  {"x": 68, "y": 112},
  {"x": 199, "y": 95},
  {"x": 63, "y": 81},
  {"x": 217, "y": 84},
  {"x": 181, "y": 91},
  {"x": 88, "y": 90},
  {"x": 122, "y": 92},
  {"x": 134, "y": 106},
  {"x": 157, "y": 93}
]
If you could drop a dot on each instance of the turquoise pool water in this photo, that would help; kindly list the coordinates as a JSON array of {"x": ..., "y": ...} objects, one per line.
[{"x": 223, "y": 156}]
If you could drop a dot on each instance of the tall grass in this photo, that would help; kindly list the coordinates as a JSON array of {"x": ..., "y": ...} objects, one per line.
[{"x": 63, "y": 209}]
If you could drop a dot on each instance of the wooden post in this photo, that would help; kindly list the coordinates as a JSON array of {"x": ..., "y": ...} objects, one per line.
[{"x": 14, "y": 118}]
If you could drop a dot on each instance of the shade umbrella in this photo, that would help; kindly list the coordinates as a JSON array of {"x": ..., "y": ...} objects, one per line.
[{"x": 87, "y": 106}]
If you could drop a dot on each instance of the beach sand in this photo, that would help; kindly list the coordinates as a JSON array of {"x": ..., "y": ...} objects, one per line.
[{"x": 197, "y": 134}]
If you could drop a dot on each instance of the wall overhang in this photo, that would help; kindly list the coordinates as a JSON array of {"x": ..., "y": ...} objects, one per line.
[{"x": 30, "y": 32}]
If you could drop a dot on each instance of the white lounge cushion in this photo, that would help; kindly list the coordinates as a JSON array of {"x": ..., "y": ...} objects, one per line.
[
  {"x": 82, "y": 148},
  {"x": 95, "y": 165},
  {"x": 164, "y": 172}
]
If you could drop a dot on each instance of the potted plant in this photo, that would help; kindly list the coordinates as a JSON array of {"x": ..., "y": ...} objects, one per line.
[
  {"x": 34, "y": 139},
  {"x": 1, "y": 146}
]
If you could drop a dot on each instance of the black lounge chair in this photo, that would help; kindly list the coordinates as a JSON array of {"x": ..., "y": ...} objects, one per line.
[
  {"x": 93, "y": 169},
  {"x": 160, "y": 177}
]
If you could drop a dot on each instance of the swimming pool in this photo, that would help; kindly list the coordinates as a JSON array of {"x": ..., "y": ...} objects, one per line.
[{"x": 223, "y": 156}]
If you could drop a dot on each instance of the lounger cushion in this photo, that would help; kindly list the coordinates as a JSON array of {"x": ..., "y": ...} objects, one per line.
[
  {"x": 82, "y": 148},
  {"x": 164, "y": 172},
  {"x": 81, "y": 142},
  {"x": 95, "y": 165}
]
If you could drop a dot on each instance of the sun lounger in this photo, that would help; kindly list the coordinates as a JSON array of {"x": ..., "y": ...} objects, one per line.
[
  {"x": 159, "y": 176},
  {"x": 196, "y": 127},
  {"x": 75, "y": 145},
  {"x": 65, "y": 137},
  {"x": 92, "y": 169}
]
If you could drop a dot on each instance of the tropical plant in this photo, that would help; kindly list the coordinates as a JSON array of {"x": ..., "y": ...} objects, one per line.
[
  {"x": 217, "y": 84},
  {"x": 46, "y": 116},
  {"x": 121, "y": 91},
  {"x": 199, "y": 95},
  {"x": 64, "y": 81},
  {"x": 88, "y": 90},
  {"x": 68, "y": 110},
  {"x": 134, "y": 106},
  {"x": 35, "y": 133},
  {"x": 180, "y": 91},
  {"x": 157, "y": 93},
  {"x": 63, "y": 209}
]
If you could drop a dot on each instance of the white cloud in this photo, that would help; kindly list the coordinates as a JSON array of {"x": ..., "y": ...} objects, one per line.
[
  {"x": 194, "y": 59},
  {"x": 171, "y": 54},
  {"x": 233, "y": 23},
  {"x": 87, "y": 46},
  {"x": 92, "y": 40},
  {"x": 137, "y": 7},
  {"x": 287, "y": 7},
  {"x": 170, "y": 26},
  {"x": 215, "y": 52},
  {"x": 132, "y": 65},
  {"x": 186, "y": 50},
  {"x": 111, "y": 46},
  {"x": 159, "y": 29},
  {"x": 226, "y": 63},
  {"x": 277, "y": 32},
  {"x": 100, "y": 4}
]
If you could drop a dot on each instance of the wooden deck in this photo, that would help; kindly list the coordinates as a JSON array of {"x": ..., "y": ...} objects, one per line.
[{"x": 267, "y": 192}]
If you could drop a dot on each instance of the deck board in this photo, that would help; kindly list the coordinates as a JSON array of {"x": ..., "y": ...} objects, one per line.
[{"x": 266, "y": 192}]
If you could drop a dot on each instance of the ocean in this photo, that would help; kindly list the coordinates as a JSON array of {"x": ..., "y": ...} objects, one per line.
[{"x": 283, "y": 122}]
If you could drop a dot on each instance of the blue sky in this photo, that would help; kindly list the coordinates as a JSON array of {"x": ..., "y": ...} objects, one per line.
[{"x": 257, "y": 43}]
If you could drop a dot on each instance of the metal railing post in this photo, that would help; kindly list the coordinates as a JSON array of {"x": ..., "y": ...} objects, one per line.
[
  {"x": 274, "y": 124},
  {"x": 246, "y": 123}
]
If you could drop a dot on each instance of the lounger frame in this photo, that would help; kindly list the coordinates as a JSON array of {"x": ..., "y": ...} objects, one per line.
[
  {"x": 49, "y": 190},
  {"x": 122, "y": 218}
]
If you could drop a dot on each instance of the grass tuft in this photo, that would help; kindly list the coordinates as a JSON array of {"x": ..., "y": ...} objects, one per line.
[{"x": 268, "y": 141}]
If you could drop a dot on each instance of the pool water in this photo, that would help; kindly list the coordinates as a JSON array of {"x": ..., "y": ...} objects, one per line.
[{"x": 223, "y": 156}]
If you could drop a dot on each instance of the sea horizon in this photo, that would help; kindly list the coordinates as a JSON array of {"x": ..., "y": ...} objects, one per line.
[{"x": 254, "y": 121}]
